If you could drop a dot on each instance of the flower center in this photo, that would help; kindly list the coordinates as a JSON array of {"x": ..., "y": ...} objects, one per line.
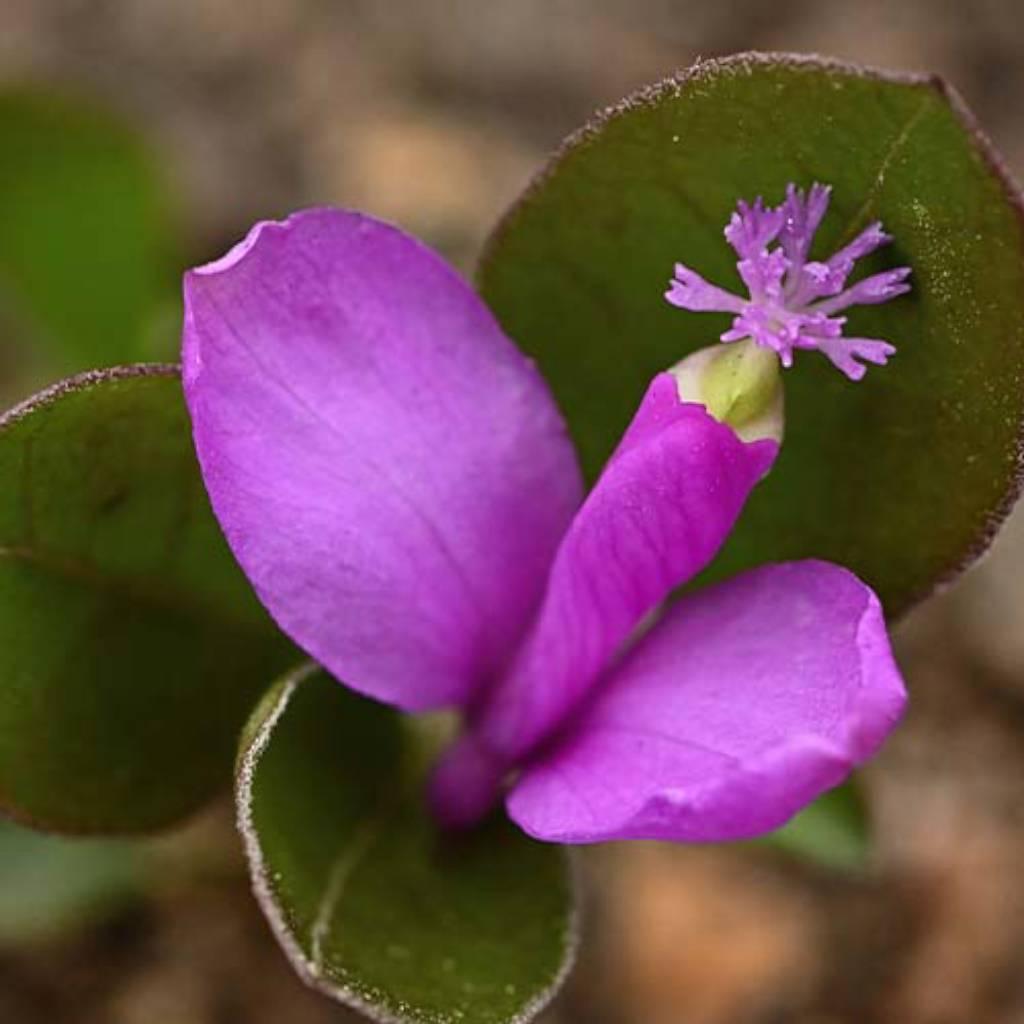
[{"x": 792, "y": 300}]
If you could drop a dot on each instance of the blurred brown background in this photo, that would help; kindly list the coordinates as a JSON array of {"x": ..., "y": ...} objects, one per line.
[{"x": 433, "y": 113}]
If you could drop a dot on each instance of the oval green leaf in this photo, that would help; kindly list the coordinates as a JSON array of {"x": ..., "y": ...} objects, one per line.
[
  {"x": 129, "y": 640},
  {"x": 902, "y": 477},
  {"x": 372, "y": 906}
]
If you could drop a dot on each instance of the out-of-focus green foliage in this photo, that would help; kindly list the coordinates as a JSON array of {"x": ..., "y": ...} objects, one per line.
[
  {"x": 834, "y": 831},
  {"x": 88, "y": 259},
  {"x": 49, "y": 885}
]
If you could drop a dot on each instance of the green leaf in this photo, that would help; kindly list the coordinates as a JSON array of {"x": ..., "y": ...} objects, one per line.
[
  {"x": 834, "y": 831},
  {"x": 49, "y": 884},
  {"x": 129, "y": 640},
  {"x": 372, "y": 905},
  {"x": 902, "y": 477},
  {"x": 88, "y": 261}
]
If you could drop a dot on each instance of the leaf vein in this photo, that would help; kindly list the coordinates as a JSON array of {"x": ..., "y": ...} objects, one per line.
[
  {"x": 898, "y": 143},
  {"x": 341, "y": 871}
]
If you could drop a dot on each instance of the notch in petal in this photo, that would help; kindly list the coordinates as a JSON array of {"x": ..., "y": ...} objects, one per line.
[
  {"x": 391, "y": 473},
  {"x": 870, "y": 239},
  {"x": 753, "y": 227},
  {"x": 871, "y": 291},
  {"x": 850, "y": 354},
  {"x": 744, "y": 704},
  {"x": 688, "y": 290},
  {"x": 802, "y": 216}
]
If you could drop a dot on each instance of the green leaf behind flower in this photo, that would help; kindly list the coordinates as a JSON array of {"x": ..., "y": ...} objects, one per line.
[
  {"x": 833, "y": 832},
  {"x": 902, "y": 477},
  {"x": 129, "y": 640},
  {"x": 371, "y": 904}
]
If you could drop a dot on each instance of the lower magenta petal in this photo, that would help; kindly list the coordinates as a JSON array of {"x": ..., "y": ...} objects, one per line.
[{"x": 744, "y": 704}]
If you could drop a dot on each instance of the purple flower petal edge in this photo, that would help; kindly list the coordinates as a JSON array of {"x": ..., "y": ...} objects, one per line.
[
  {"x": 390, "y": 472},
  {"x": 662, "y": 508},
  {"x": 745, "y": 703}
]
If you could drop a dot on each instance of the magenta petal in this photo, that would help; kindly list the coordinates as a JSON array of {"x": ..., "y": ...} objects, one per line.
[
  {"x": 660, "y": 511},
  {"x": 391, "y": 473},
  {"x": 749, "y": 700},
  {"x": 803, "y": 213},
  {"x": 688, "y": 290},
  {"x": 871, "y": 291},
  {"x": 753, "y": 227}
]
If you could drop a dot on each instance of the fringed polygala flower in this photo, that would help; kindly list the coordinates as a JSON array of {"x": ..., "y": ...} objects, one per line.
[
  {"x": 397, "y": 482},
  {"x": 793, "y": 300}
]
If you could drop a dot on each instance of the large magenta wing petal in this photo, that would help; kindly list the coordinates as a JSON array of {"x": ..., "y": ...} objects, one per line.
[
  {"x": 747, "y": 701},
  {"x": 391, "y": 473},
  {"x": 662, "y": 508}
]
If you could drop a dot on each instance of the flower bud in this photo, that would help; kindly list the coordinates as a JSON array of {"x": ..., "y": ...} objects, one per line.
[{"x": 739, "y": 384}]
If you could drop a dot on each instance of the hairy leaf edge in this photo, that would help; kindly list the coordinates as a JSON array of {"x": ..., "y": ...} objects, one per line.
[
  {"x": 83, "y": 382},
  {"x": 40, "y": 400},
  {"x": 692, "y": 76},
  {"x": 255, "y": 739},
  {"x": 48, "y": 396}
]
